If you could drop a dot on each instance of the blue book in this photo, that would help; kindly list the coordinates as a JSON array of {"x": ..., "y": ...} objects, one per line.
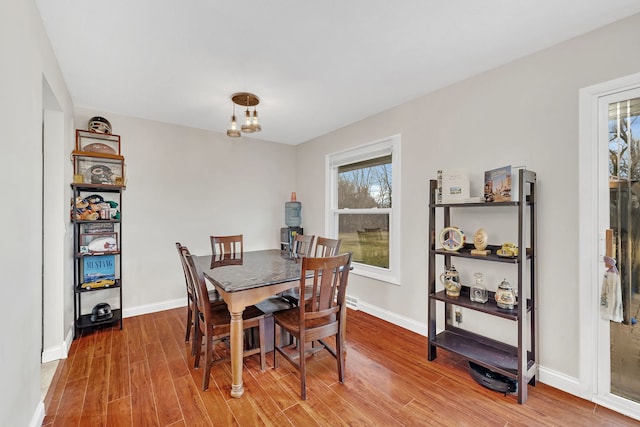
[{"x": 100, "y": 267}]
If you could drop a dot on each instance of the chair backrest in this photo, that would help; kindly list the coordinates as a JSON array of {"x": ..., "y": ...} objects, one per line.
[
  {"x": 182, "y": 251},
  {"x": 202, "y": 294},
  {"x": 324, "y": 306},
  {"x": 326, "y": 247},
  {"x": 303, "y": 245},
  {"x": 227, "y": 247}
]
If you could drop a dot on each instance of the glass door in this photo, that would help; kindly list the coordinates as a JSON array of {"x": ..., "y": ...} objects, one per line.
[{"x": 623, "y": 146}]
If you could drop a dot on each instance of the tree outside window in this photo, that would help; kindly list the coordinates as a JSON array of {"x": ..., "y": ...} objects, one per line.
[{"x": 364, "y": 189}]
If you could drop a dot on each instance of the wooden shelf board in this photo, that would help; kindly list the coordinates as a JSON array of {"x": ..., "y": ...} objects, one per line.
[
  {"x": 490, "y": 307},
  {"x": 499, "y": 358},
  {"x": 84, "y": 321}
]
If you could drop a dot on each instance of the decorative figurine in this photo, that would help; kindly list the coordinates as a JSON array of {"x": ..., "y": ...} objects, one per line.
[
  {"x": 478, "y": 292},
  {"x": 508, "y": 250},
  {"x": 506, "y": 296},
  {"x": 452, "y": 239},
  {"x": 450, "y": 279},
  {"x": 480, "y": 242}
]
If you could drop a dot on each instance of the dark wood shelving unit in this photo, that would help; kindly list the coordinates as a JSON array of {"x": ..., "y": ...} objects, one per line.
[
  {"x": 519, "y": 362},
  {"x": 83, "y": 320}
]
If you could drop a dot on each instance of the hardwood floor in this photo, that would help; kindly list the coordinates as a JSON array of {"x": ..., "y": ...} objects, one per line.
[{"x": 143, "y": 376}]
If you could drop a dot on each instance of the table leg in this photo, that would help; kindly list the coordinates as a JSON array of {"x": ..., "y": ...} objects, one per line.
[{"x": 237, "y": 351}]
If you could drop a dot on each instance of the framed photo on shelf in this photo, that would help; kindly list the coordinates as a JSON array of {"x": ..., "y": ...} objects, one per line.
[
  {"x": 99, "y": 169},
  {"x": 98, "y": 243},
  {"x": 453, "y": 186},
  {"x": 501, "y": 184},
  {"x": 91, "y": 142},
  {"x": 96, "y": 268}
]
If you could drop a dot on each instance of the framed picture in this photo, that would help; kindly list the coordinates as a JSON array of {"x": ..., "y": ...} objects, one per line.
[
  {"x": 99, "y": 169},
  {"x": 99, "y": 243},
  {"x": 96, "y": 268},
  {"x": 92, "y": 142}
]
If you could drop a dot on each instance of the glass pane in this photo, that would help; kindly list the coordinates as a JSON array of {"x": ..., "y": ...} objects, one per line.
[
  {"x": 367, "y": 236},
  {"x": 624, "y": 190},
  {"x": 365, "y": 184}
]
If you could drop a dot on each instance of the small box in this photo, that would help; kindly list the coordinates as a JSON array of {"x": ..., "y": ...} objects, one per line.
[
  {"x": 99, "y": 168},
  {"x": 92, "y": 142}
]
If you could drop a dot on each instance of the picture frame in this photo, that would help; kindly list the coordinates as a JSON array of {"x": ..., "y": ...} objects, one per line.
[
  {"x": 100, "y": 243},
  {"x": 99, "y": 169},
  {"x": 102, "y": 267},
  {"x": 92, "y": 142}
]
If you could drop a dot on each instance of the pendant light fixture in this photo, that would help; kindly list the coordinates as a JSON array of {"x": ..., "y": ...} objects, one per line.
[{"x": 251, "y": 123}]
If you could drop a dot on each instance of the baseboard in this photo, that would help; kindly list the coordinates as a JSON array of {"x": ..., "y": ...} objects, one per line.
[
  {"x": 559, "y": 380},
  {"x": 38, "y": 416},
  {"x": 59, "y": 351},
  {"x": 153, "y": 308},
  {"x": 395, "y": 318}
]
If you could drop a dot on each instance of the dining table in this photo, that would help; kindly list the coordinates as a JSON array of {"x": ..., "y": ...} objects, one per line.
[{"x": 243, "y": 281}]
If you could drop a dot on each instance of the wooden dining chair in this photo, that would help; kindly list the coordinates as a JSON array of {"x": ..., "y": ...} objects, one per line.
[
  {"x": 326, "y": 247},
  {"x": 303, "y": 245},
  {"x": 215, "y": 324},
  {"x": 227, "y": 247},
  {"x": 322, "y": 315},
  {"x": 192, "y": 308}
]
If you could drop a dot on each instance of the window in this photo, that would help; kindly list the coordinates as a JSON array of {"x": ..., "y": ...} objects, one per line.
[{"x": 363, "y": 199}]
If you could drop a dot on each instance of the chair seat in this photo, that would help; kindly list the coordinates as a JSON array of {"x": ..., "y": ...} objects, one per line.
[
  {"x": 222, "y": 318},
  {"x": 290, "y": 320}
]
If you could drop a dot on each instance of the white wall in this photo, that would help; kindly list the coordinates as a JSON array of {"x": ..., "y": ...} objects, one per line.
[
  {"x": 524, "y": 113},
  {"x": 183, "y": 185},
  {"x": 26, "y": 59}
]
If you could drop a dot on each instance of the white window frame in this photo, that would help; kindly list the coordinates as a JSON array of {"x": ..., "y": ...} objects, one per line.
[{"x": 383, "y": 147}]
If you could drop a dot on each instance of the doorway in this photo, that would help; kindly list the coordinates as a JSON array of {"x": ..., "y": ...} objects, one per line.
[
  {"x": 609, "y": 167},
  {"x": 619, "y": 142}
]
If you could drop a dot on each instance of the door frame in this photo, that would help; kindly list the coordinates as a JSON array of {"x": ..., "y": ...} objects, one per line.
[{"x": 591, "y": 243}]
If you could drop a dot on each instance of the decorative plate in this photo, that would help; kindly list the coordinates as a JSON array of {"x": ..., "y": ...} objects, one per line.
[{"x": 452, "y": 239}]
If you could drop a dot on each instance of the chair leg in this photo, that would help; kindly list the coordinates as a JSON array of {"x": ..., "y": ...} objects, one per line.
[
  {"x": 303, "y": 370},
  {"x": 275, "y": 343},
  {"x": 340, "y": 356},
  {"x": 189, "y": 325},
  {"x": 208, "y": 354},
  {"x": 263, "y": 338},
  {"x": 197, "y": 346}
]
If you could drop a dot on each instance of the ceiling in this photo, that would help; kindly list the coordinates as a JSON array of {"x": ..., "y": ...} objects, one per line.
[{"x": 317, "y": 66}]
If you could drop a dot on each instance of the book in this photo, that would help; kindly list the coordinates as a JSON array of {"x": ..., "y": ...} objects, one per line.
[
  {"x": 98, "y": 268},
  {"x": 98, "y": 227},
  {"x": 455, "y": 185},
  {"x": 501, "y": 184}
]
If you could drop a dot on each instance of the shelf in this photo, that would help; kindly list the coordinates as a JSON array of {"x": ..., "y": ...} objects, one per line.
[
  {"x": 109, "y": 188},
  {"x": 93, "y": 221},
  {"x": 465, "y": 252},
  {"x": 477, "y": 204},
  {"x": 82, "y": 260},
  {"x": 81, "y": 255},
  {"x": 84, "y": 321},
  {"x": 516, "y": 362},
  {"x": 490, "y": 307},
  {"x": 494, "y": 355}
]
